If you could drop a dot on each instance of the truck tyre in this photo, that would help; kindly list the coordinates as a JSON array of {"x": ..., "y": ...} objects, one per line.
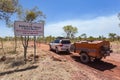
[
  {"x": 68, "y": 51},
  {"x": 84, "y": 58},
  {"x": 56, "y": 50},
  {"x": 50, "y": 48}
]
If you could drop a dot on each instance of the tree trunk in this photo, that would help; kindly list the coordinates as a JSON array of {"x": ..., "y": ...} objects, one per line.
[
  {"x": 15, "y": 43},
  {"x": 25, "y": 54},
  {"x": 34, "y": 48},
  {"x": 25, "y": 45}
]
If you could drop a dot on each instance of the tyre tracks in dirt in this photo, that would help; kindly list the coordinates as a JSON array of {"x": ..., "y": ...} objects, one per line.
[{"x": 107, "y": 69}]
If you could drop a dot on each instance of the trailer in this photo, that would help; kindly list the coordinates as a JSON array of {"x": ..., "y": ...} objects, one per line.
[{"x": 91, "y": 50}]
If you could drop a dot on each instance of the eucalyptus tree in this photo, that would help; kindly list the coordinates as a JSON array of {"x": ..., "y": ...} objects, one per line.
[
  {"x": 91, "y": 38},
  {"x": 7, "y": 9},
  {"x": 112, "y": 36},
  {"x": 84, "y": 36},
  {"x": 70, "y": 31}
]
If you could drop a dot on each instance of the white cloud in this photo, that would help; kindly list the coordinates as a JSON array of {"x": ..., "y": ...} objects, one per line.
[{"x": 94, "y": 27}]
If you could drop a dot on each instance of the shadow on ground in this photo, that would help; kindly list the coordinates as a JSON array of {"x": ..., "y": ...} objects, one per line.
[
  {"x": 101, "y": 65},
  {"x": 19, "y": 70},
  {"x": 61, "y": 53}
]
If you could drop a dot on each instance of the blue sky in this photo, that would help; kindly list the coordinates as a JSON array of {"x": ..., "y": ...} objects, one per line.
[
  {"x": 58, "y": 10},
  {"x": 93, "y": 17}
]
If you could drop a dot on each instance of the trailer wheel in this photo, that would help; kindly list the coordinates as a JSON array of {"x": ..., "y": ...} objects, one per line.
[{"x": 84, "y": 58}]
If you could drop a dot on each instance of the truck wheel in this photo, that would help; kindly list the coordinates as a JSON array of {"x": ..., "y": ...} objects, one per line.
[
  {"x": 50, "y": 48},
  {"x": 56, "y": 50},
  {"x": 68, "y": 51},
  {"x": 84, "y": 58}
]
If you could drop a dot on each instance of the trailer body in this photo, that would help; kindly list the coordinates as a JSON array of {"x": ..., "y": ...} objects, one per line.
[{"x": 92, "y": 49}]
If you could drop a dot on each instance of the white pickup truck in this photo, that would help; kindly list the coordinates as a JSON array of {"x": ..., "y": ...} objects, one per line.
[{"x": 60, "y": 45}]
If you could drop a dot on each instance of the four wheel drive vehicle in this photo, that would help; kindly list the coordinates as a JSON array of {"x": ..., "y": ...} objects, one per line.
[
  {"x": 60, "y": 45},
  {"x": 90, "y": 51}
]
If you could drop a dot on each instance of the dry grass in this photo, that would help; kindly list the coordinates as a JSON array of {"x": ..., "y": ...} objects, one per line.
[
  {"x": 115, "y": 47},
  {"x": 44, "y": 69}
]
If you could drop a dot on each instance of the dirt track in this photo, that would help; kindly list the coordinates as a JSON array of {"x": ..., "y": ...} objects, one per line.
[{"x": 107, "y": 69}]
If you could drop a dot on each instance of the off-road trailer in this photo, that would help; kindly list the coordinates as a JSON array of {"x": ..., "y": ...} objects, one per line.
[{"x": 91, "y": 51}]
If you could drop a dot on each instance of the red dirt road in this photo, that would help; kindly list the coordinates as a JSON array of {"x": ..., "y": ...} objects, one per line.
[{"x": 107, "y": 69}]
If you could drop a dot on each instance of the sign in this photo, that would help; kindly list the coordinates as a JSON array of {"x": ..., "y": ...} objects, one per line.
[{"x": 22, "y": 28}]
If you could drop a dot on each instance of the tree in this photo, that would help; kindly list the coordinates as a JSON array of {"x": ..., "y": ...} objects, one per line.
[
  {"x": 7, "y": 8},
  {"x": 74, "y": 31},
  {"x": 79, "y": 38},
  {"x": 118, "y": 37},
  {"x": 84, "y": 36},
  {"x": 32, "y": 15},
  {"x": 49, "y": 38},
  {"x": 91, "y": 38},
  {"x": 112, "y": 36},
  {"x": 101, "y": 37},
  {"x": 70, "y": 31}
]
